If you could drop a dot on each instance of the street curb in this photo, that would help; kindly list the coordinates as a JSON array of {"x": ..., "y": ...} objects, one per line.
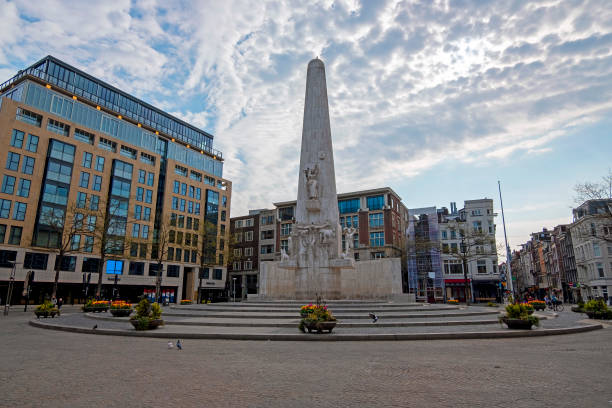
[
  {"x": 323, "y": 337},
  {"x": 338, "y": 316}
]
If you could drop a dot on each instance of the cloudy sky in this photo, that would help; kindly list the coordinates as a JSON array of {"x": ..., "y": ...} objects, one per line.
[{"x": 436, "y": 99}]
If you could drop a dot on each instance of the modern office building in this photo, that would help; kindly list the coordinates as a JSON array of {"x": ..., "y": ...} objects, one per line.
[{"x": 115, "y": 176}]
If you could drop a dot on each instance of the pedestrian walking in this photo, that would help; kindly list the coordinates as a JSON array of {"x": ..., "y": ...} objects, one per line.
[
  {"x": 60, "y": 302},
  {"x": 179, "y": 345}
]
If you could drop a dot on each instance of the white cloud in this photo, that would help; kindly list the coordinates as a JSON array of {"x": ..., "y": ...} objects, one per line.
[{"x": 410, "y": 85}]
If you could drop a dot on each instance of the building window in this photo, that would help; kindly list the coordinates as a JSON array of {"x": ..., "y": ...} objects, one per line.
[
  {"x": 2, "y": 233},
  {"x": 136, "y": 268},
  {"x": 376, "y": 202},
  {"x": 145, "y": 232},
  {"x": 600, "y": 270},
  {"x": 173, "y": 271},
  {"x": 99, "y": 163},
  {"x": 128, "y": 152},
  {"x": 84, "y": 180},
  {"x": 248, "y": 236},
  {"x": 8, "y": 184},
  {"x": 68, "y": 263},
  {"x": 284, "y": 244},
  {"x": 236, "y": 266},
  {"x": 481, "y": 266},
  {"x": 58, "y": 127},
  {"x": 5, "y": 208},
  {"x": 267, "y": 234},
  {"x": 97, "y": 183},
  {"x": 149, "y": 196},
  {"x": 19, "y": 211},
  {"x": 107, "y": 145},
  {"x": 444, "y": 234},
  {"x": 135, "y": 230},
  {"x": 377, "y": 239},
  {"x": 32, "y": 144},
  {"x": 84, "y": 136},
  {"x": 267, "y": 249},
  {"x": 15, "y": 236},
  {"x": 114, "y": 267},
  {"x": 248, "y": 265},
  {"x": 376, "y": 220},
  {"x": 348, "y": 206},
  {"x": 248, "y": 251},
  {"x": 87, "y": 158},
  {"x": 17, "y": 138},
  {"x": 194, "y": 175},
  {"x": 150, "y": 179},
  {"x": 94, "y": 202},
  {"x": 75, "y": 244},
  {"x": 183, "y": 189},
  {"x": 180, "y": 170},
  {"x": 477, "y": 226},
  {"x": 286, "y": 229},
  {"x": 147, "y": 158},
  {"x": 29, "y": 117},
  {"x": 142, "y": 175},
  {"x": 146, "y": 216},
  {"x": 12, "y": 161},
  {"x": 596, "y": 249},
  {"x": 217, "y": 274},
  {"x": 35, "y": 260},
  {"x": 377, "y": 255},
  {"x": 27, "y": 167}
]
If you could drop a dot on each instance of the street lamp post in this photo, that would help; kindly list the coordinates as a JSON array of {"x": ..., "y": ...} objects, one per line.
[
  {"x": 234, "y": 288},
  {"x": 9, "y": 293}
]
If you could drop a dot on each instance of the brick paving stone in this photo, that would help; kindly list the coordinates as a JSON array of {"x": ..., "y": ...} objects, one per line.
[{"x": 43, "y": 368}]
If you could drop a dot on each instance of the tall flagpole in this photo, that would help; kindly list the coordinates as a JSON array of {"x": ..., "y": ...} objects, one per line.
[{"x": 508, "y": 255}]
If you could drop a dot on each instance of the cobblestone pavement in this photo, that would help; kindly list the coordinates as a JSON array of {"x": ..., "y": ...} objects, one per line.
[{"x": 43, "y": 368}]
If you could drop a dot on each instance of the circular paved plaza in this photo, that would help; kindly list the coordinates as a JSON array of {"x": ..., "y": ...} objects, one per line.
[{"x": 62, "y": 369}]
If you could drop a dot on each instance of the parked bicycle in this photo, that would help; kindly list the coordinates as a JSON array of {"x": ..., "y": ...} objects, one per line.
[{"x": 555, "y": 305}]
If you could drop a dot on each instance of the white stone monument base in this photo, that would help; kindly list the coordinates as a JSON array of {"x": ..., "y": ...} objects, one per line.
[{"x": 373, "y": 279}]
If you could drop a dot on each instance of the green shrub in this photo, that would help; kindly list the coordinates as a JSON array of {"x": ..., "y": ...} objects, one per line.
[
  {"x": 596, "y": 305},
  {"x": 491, "y": 304},
  {"x": 145, "y": 309},
  {"x": 521, "y": 311}
]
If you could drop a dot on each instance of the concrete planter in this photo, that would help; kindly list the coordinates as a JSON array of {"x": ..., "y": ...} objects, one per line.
[
  {"x": 517, "y": 324},
  {"x": 320, "y": 327},
  {"x": 121, "y": 312},
  {"x": 151, "y": 324},
  {"x": 46, "y": 313}
]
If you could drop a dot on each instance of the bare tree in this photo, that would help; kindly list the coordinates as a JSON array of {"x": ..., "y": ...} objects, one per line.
[
  {"x": 59, "y": 231},
  {"x": 159, "y": 250},
  {"x": 594, "y": 190},
  {"x": 474, "y": 245},
  {"x": 107, "y": 223}
]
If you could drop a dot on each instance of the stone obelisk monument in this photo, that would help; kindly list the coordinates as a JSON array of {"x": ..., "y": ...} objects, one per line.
[
  {"x": 316, "y": 239},
  {"x": 314, "y": 264}
]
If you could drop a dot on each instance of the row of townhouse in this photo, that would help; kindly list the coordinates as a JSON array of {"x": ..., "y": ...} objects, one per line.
[
  {"x": 453, "y": 253},
  {"x": 572, "y": 260},
  {"x": 80, "y": 152}
]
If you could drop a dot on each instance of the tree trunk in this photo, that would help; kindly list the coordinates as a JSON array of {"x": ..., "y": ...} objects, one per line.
[
  {"x": 57, "y": 273},
  {"x": 100, "y": 273},
  {"x": 465, "y": 282},
  {"x": 158, "y": 281}
]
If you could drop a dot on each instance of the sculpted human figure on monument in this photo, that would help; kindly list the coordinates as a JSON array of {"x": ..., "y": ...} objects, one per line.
[
  {"x": 312, "y": 185},
  {"x": 348, "y": 234}
]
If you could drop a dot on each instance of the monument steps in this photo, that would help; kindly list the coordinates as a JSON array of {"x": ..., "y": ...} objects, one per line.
[
  {"x": 339, "y": 316},
  {"x": 292, "y": 309}
]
